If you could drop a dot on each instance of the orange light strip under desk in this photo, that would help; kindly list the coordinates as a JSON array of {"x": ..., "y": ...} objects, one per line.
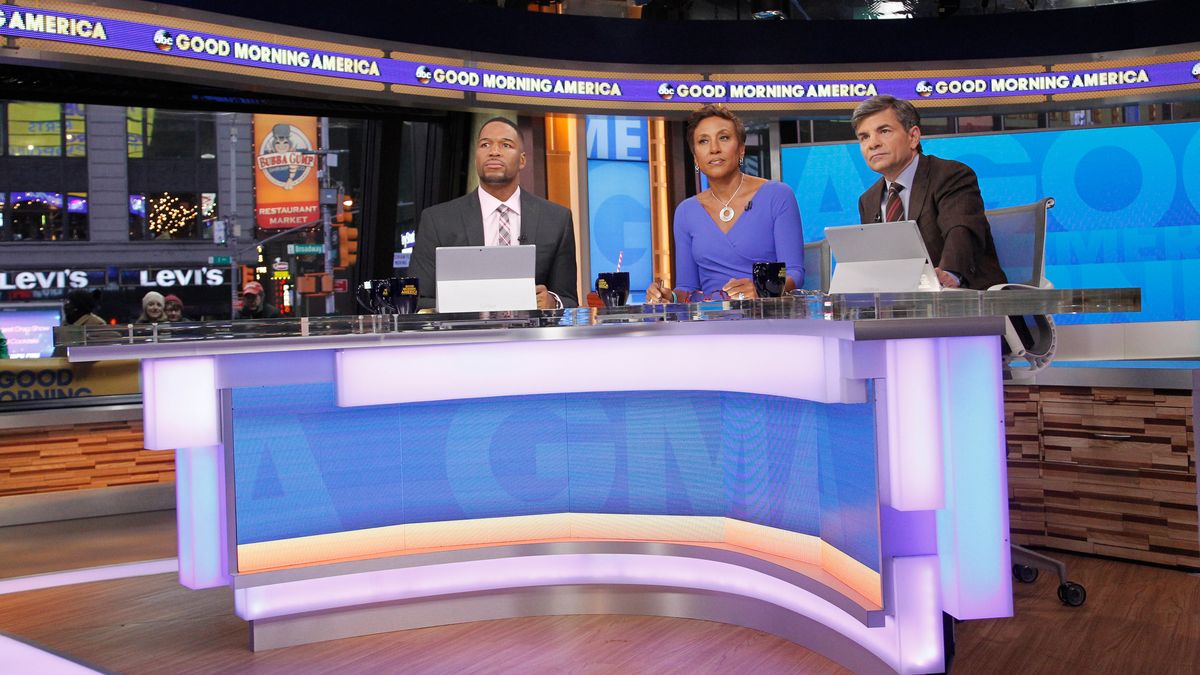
[{"x": 780, "y": 546}]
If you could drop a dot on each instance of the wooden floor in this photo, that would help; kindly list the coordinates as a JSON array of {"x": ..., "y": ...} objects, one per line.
[{"x": 1137, "y": 619}]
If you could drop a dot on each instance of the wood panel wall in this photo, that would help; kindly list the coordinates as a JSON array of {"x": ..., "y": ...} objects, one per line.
[
  {"x": 1109, "y": 471},
  {"x": 79, "y": 457}
]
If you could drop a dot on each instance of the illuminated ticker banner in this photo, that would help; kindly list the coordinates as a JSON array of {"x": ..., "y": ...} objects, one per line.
[{"x": 212, "y": 49}]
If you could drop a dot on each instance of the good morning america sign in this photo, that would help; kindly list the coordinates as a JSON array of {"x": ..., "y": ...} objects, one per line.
[{"x": 213, "y": 48}]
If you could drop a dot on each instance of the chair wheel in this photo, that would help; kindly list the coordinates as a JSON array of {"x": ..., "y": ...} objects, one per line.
[
  {"x": 1072, "y": 594},
  {"x": 1025, "y": 574}
]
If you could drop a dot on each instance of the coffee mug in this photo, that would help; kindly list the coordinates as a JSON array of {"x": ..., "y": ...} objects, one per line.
[
  {"x": 613, "y": 288},
  {"x": 395, "y": 295},
  {"x": 769, "y": 278},
  {"x": 403, "y": 293}
]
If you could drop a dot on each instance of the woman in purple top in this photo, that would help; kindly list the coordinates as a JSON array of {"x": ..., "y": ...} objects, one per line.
[{"x": 740, "y": 220}]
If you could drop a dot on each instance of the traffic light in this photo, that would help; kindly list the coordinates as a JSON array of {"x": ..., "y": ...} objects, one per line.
[{"x": 347, "y": 245}]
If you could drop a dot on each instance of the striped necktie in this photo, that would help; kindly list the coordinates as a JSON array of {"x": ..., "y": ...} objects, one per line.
[
  {"x": 505, "y": 237},
  {"x": 895, "y": 205}
]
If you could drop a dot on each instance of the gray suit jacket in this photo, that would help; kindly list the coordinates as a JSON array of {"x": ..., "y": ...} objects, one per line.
[{"x": 459, "y": 222}]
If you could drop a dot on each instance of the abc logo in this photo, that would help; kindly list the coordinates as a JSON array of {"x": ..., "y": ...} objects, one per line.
[
  {"x": 1196, "y": 70},
  {"x": 666, "y": 91},
  {"x": 164, "y": 40},
  {"x": 924, "y": 88},
  {"x": 424, "y": 75}
]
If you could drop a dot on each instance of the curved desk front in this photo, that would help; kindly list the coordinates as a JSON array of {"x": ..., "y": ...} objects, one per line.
[{"x": 837, "y": 483}]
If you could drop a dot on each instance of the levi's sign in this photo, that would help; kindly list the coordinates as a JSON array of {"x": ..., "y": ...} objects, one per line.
[{"x": 67, "y": 279}]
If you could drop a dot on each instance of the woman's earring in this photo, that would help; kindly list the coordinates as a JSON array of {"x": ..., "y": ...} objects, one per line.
[
  {"x": 741, "y": 161},
  {"x": 697, "y": 169}
]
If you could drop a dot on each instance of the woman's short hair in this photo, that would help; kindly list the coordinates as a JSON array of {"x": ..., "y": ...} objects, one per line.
[{"x": 713, "y": 110}]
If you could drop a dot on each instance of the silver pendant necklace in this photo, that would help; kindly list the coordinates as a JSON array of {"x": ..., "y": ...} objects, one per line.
[{"x": 728, "y": 213}]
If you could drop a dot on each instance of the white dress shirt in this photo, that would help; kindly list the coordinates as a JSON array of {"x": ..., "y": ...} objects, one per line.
[{"x": 491, "y": 217}]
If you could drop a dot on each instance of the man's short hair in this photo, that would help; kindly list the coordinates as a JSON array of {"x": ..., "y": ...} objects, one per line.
[
  {"x": 905, "y": 112},
  {"x": 503, "y": 120},
  {"x": 713, "y": 110}
]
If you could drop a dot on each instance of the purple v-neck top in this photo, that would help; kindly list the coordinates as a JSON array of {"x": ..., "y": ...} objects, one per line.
[{"x": 770, "y": 231}]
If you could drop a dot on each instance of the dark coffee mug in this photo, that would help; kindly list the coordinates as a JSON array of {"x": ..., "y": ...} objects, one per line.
[
  {"x": 613, "y": 288},
  {"x": 769, "y": 279},
  {"x": 395, "y": 295},
  {"x": 403, "y": 293}
]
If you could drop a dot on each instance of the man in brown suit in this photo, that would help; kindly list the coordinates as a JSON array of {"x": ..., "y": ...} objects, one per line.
[{"x": 942, "y": 195}]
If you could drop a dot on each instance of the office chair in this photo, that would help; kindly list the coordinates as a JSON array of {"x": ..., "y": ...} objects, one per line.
[
  {"x": 816, "y": 266},
  {"x": 1020, "y": 236}
]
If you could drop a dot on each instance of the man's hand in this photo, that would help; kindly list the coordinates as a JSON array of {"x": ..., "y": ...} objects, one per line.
[
  {"x": 544, "y": 299},
  {"x": 947, "y": 280}
]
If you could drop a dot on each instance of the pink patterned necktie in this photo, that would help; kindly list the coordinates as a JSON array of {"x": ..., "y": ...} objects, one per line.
[
  {"x": 895, "y": 205},
  {"x": 505, "y": 238}
]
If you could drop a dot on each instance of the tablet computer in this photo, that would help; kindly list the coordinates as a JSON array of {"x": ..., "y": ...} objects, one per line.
[
  {"x": 880, "y": 258},
  {"x": 485, "y": 278}
]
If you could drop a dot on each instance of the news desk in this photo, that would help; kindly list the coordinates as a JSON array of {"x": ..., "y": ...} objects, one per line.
[{"x": 830, "y": 469}]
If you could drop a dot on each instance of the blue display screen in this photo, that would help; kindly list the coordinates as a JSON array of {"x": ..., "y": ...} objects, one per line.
[
  {"x": 619, "y": 222},
  {"x": 29, "y": 329},
  {"x": 618, "y": 184},
  {"x": 304, "y": 467},
  {"x": 1127, "y": 212}
]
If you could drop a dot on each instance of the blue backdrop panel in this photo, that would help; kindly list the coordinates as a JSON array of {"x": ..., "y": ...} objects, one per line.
[
  {"x": 618, "y": 137},
  {"x": 1127, "y": 213},
  {"x": 619, "y": 222},
  {"x": 303, "y": 466},
  {"x": 618, "y": 152}
]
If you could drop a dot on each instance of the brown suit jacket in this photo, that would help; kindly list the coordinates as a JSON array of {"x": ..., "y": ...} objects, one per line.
[{"x": 948, "y": 208}]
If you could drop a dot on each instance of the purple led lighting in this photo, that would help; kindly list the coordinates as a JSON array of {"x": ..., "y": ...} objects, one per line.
[
  {"x": 918, "y": 614},
  {"x": 162, "y": 39},
  {"x": 914, "y": 437},
  {"x": 434, "y": 373},
  {"x": 200, "y": 517},
  {"x": 87, "y": 575},
  {"x": 179, "y": 401},
  {"x": 314, "y": 595},
  {"x": 973, "y": 529}
]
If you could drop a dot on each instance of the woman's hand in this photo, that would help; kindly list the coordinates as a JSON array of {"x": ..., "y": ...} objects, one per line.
[
  {"x": 740, "y": 289},
  {"x": 658, "y": 293}
]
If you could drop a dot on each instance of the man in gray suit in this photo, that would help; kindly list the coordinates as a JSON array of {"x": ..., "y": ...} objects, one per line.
[{"x": 500, "y": 213}]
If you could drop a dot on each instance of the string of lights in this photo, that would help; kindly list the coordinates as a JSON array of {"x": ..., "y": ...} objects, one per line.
[{"x": 169, "y": 214}]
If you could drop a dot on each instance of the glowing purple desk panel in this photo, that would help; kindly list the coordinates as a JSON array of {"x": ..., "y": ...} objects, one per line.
[{"x": 839, "y": 481}]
